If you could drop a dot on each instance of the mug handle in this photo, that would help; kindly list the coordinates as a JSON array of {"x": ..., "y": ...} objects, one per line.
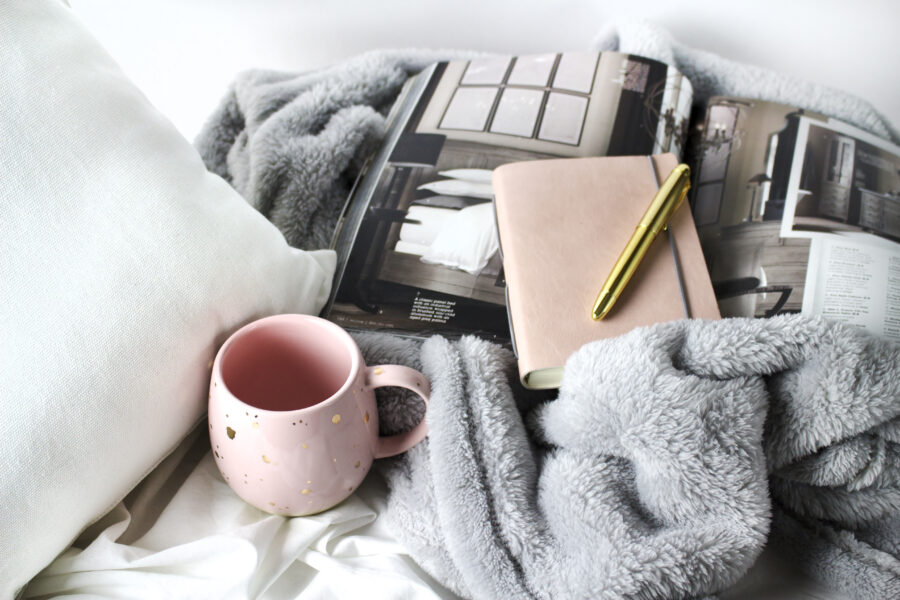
[{"x": 410, "y": 379}]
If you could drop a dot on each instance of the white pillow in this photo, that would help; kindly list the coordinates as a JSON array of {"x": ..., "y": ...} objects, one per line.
[
  {"x": 459, "y": 187},
  {"x": 467, "y": 241},
  {"x": 410, "y": 248},
  {"x": 124, "y": 264},
  {"x": 474, "y": 175},
  {"x": 431, "y": 221}
]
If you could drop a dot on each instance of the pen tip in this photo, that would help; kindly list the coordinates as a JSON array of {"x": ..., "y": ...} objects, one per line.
[{"x": 602, "y": 305}]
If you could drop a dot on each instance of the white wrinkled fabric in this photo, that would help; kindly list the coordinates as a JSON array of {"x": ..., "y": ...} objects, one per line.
[{"x": 184, "y": 534}]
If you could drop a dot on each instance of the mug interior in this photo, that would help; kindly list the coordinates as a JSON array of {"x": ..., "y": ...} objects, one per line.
[{"x": 286, "y": 365}]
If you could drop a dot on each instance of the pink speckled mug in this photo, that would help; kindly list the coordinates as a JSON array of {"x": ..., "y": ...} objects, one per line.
[{"x": 292, "y": 416}]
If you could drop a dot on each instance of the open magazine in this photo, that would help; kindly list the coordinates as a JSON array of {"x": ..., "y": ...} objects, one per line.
[
  {"x": 796, "y": 213},
  {"x": 417, "y": 244}
]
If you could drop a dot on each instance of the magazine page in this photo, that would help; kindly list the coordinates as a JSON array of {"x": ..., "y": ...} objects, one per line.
[
  {"x": 798, "y": 213},
  {"x": 418, "y": 249}
]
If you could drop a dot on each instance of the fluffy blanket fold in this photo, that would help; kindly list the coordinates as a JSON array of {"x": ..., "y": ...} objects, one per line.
[
  {"x": 671, "y": 455},
  {"x": 649, "y": 476}
]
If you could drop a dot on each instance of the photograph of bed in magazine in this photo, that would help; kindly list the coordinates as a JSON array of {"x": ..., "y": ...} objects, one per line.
[
  {"x": 418, "y": 249},
  {"x": 798, "y": 213}
]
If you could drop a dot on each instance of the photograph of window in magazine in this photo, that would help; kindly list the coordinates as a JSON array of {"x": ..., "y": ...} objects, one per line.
[
  {"x": 798, "y": 213},
  {"x": 417, "y": 248}
]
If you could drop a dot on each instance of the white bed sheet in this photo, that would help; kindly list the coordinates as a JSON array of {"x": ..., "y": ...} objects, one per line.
[{"x": 184, "y": 534}]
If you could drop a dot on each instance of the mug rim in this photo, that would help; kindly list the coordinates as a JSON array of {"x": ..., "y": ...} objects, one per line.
[{"x": 355, "y": 359}]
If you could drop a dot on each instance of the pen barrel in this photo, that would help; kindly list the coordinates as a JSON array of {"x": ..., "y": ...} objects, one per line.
[
  {"x": 667, "y": 200},
  {"x": 624, "y": 268}
]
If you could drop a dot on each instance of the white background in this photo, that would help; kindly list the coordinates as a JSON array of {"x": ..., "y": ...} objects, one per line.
[{"x": 183, "y": 53}]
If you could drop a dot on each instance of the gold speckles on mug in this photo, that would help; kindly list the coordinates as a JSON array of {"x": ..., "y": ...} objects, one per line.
[
  {"x": 378, "y": 371},
  {"x": 305, "y": 491},
  {"x": 266, "y": 459},
  {"x": 255, "y": 425},
  {"x": 209, "y": 364},
  {"x": 304, "y": 445},
  {"x": 333, "y": 460},
  {"x": 230, "y": 432},
  {"x": 336, "y": 419},
  {"x": 356, "y": 466},
  {"x": 271, "y": 504},
  {"x": 366, "y": 417},
  {"x": 308, "y": 481}
]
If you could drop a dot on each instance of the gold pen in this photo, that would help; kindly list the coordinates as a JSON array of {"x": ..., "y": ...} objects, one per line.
[{"x": 667, "y": 200}]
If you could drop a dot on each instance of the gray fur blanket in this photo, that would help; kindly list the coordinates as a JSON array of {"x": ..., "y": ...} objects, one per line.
[
  {"x": 670, "y": 457},
  {"x": 650, "y": 475}
]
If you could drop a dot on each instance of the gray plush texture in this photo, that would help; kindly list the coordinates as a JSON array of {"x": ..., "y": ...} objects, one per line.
[
  {"x": 650, "y": 475},
  {"x": 671, "y": 455},
  {"x": 292, "y": 144}
]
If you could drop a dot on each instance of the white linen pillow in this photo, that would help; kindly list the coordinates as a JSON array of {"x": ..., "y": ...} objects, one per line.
[
  {"x": 410, "y": 248},
  {"x": 467, "y": 241},
  {"x": 451, "y": 202},
  {"x": 431, "y": 220},
  {"x": 459, "y": 187},
  {"x": 123, "y": 266},
  {"x": 474, "y": 175}
]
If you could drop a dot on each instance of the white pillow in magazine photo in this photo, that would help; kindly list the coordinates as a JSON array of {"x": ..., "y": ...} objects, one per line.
[{"x": 467, "y": 241}]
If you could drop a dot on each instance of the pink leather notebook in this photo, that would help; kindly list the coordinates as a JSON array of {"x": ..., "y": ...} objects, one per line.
[{"x": 562, "y": 225}]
